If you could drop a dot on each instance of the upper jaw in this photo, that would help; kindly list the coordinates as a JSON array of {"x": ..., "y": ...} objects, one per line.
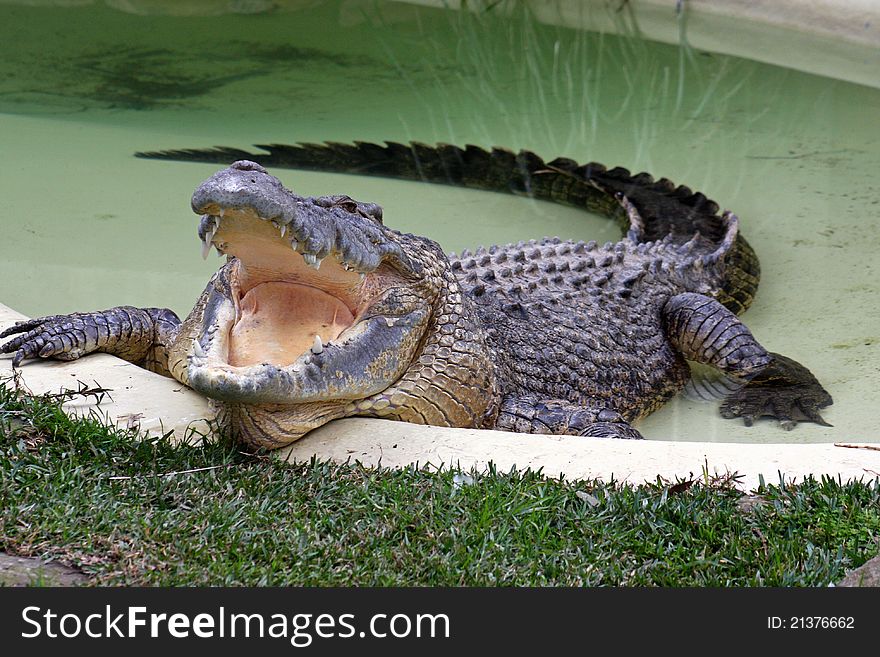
[
  {"x": 313, "y": 227},
  {"x": 265, "y": 252}
]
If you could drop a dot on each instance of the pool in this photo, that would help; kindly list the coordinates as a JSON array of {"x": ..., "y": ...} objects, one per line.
[{"x": 85, "y": 225}]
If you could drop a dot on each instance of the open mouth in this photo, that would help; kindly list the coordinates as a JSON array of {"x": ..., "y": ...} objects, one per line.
[
  {"x": 287, "y": 300},
  {"x": 310, "y": 307}
]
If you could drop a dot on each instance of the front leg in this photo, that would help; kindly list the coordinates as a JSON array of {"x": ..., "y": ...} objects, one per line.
[
  {"x": 139, "y": 335},
  {"x": 529, "y": 414}
]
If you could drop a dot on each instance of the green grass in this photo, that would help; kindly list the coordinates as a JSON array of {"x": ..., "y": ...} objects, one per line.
[{"x": 125, "y": 512}]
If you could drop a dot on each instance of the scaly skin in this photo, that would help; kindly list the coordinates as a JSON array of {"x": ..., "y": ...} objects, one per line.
[
  {"x": 138, "y": 335},
  {"x": 545, "y": 336}
]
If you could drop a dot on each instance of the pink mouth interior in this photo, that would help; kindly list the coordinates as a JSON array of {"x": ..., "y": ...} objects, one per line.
[
  {"x": 282, "y": 303},
  {"x": 279, "y": 322}
]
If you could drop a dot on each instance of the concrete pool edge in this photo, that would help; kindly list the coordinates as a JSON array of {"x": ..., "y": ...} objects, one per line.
[{"x": 157, "y": 405}]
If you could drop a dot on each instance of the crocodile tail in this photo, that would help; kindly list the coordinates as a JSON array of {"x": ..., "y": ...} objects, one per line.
[{"x": 662, "y": 209}]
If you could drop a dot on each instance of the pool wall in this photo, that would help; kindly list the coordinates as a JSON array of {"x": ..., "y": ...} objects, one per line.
[{"x": 834, "y": 38}]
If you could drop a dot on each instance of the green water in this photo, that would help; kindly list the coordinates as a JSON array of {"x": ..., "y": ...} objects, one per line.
[{"x": 86, "y": 226}]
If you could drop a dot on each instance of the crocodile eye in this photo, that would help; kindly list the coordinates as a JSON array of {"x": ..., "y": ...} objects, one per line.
[
  {"x": 349, "y": 206},
  {"x": 372, "y": 211}
]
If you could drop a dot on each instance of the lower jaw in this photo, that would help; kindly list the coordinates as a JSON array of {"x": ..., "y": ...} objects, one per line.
[{"x": 261, "y": 427}]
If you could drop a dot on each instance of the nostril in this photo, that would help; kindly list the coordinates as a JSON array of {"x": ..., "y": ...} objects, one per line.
[{"x": 247, "y": 165}]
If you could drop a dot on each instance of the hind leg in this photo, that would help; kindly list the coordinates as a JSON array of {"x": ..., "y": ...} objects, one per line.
[{"x": 776, "y": 386}]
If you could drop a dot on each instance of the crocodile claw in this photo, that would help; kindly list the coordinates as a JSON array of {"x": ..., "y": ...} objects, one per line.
[
  {"x": 611, "y": 430},
  {"x": 43, "y": 337},
  {"x": 785, "y": 390}
]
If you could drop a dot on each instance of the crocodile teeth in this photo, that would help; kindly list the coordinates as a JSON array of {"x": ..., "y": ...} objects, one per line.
[
  {"x": 209, "y": 236},
  {"x": 311, "y": 260},
  {"x": 276, "y": 224},
  {"x": 317, "y": 346},
  {"x": 197, "y": 349},
  {"x": 294, "y": 245},
  {"x": 283, "y": 229}
]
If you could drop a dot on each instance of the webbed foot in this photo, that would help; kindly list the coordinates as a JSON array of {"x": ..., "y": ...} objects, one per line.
[{"x": 784, "y": 390}]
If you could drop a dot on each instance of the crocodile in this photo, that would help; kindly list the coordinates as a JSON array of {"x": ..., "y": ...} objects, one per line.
[{"x": 322, "y": 312}]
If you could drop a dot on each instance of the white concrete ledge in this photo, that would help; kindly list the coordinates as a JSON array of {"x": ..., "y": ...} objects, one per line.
[{"x": 157, "y": 405}]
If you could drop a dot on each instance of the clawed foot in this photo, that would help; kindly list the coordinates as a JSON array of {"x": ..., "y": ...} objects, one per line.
[
  {"x": 60, "y": 336},
  {"x": 601, "y": 423},
  {"x": 611, "y": 430},
  {"x": 785, "y": 390},
  {"x": 527, "y": 414}
]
